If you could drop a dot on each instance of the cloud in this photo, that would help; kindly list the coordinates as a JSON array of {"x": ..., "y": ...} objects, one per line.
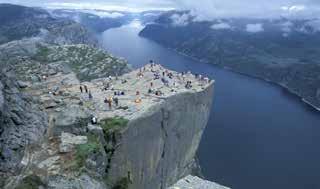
[
  {"x": 213, "y": 9},
  {"x": 104, "y": 14},
  {"x": 180, "y": 20},
  {"x": 110, "y": 5},
  {"x": 221, "y": 26},
  {"x": 286, "y": 26},
  {"x": 254, "y": 28},
  {"x": 202, "y": 9},
  {"x": 315, "y": 24}
]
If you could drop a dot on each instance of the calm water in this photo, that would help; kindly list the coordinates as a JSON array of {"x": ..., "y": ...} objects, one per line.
[{"x": 258, "y": 136}]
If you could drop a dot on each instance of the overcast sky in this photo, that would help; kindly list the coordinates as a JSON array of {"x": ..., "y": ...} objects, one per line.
[{"x": 204, "y": 9}]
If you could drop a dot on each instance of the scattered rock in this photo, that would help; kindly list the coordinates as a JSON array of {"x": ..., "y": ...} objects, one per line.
[
  {"x": 23, "y": 84},
  {"x": 68, "y": 141},
  {"x": 193, "y": 182}
]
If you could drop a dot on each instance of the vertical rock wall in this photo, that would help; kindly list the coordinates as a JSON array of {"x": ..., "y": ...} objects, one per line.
[{"x": 159, "y": 148}]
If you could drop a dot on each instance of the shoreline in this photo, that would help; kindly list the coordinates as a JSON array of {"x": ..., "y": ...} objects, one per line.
[{"x": 302, "y": 99}]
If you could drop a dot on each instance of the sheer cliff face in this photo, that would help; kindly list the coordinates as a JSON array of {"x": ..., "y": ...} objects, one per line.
[{"x": 159, "y": 148}]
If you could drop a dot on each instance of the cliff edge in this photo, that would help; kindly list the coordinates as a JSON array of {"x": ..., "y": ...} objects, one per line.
[{"x": 103, "y": 126}]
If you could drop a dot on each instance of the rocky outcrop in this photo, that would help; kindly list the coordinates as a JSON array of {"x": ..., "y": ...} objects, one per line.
[
  {"x": 196, "y": 183},
  {"x": 21, "y": 122},
  {"x": 159, "y": 147},
  {"x": 19, "y": 22},
  {"x": 147, "y": 138}
]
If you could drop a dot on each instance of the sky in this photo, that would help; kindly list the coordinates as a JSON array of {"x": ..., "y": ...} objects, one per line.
[{"x": 203, "y": 9}]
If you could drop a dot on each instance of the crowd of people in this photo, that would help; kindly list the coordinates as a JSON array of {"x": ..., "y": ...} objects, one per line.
[{"x": 166, "y": 77}]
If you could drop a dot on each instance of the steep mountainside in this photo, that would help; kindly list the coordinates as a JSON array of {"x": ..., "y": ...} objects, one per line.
[
  {"x": 26, "y": 63},
  {"x": 283, "y": 51},
  {"x": 97, "y": 21},
  {"x": 18, "y": 22},
  {"x": 145, "y": 139}
]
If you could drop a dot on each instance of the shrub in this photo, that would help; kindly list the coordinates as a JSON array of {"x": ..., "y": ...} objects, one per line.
[
  {"x": 84, "y": 150},
  {"x": 30, "y": 182}
]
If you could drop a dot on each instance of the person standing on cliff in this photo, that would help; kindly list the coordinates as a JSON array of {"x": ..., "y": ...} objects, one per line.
[
  {"x": 86, "y": 88},
  {"x": 81, "y": 90},
  {"x": 116, "y": 101}
]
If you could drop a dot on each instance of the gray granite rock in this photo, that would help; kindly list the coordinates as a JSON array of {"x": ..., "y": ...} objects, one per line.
[{"x": 193, "y": 182}]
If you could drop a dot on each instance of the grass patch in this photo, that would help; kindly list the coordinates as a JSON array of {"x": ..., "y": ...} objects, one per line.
[
  {"x": 30, "y": 182},
  {"x": 42, "y": 54},
  {"x": 84, "y": 150},
  {"x": 111, "y": 126},
  {"x": 114, "y": 123}
]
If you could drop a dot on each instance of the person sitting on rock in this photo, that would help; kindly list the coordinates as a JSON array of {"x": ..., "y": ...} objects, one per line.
[
  {"x": 189, "y": 85},
  {"x": 90, "y": 95},
  {"x": 94, "y": 120}
]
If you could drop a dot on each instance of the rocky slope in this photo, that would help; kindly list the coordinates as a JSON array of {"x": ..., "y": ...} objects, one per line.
[
  {"x": 18, "y": 22},
  {"x": 282, "y": 51},
  {"x": 147, "y": 140}
]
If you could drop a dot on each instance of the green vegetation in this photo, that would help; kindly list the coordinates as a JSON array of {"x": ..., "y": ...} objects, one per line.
[
  {"x": 30, "y": 182},
  {"x": 122, "y": 184},
  {"x": 84, "y": 150},
  {"x": 114, "y": 123},
  {"x": 111, "y": 126},
  {"x": 42, "y": 54}
]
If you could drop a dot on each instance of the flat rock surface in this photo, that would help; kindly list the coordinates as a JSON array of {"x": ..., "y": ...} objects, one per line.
[
  {"x": 139, "y": 87},
  {"x": 193, "y": 182}
]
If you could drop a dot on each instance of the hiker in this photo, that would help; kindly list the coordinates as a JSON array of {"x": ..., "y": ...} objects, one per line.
[
  {"x": 116, "y": 101},
  {"x": 86, "y": 88},
  {"x": 138, "y": 93},
  {"x": 81, "y": 90},
  {"x": 150, "y": 91},
  {"x": 110, "y": 102},
  {"x": 206, "y": 79},
  {"x": 189, "y": 85},
  {"x": 90, "y": 95},
  {"x": 163, "y": 74},
  {"x": 151, "y": 84},
  {"x": 94, "y": 120}
]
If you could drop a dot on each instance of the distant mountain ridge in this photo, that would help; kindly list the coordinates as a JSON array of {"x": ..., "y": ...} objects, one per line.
[
  {"x": 18, "y": 22},
  {"x": 281, "y": 50}
]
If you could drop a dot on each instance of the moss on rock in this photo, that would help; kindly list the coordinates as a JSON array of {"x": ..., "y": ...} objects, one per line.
[{"x": 30, "y": 182}]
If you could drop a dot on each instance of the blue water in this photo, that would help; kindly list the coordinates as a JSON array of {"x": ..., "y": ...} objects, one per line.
[{"x": 258, "y": 136}]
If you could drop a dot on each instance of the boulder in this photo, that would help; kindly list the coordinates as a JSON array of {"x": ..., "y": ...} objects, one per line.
[{"x": 68, "y": 141}]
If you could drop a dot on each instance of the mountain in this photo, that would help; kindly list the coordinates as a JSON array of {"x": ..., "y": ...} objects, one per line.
[
  {"x": 102, "y": 20},
  {"x": 18, "y": 22},
  {"x": 282, "y": 51},
  {"x": 95, "y": 20},
  {"x": 47, "y": 135}
]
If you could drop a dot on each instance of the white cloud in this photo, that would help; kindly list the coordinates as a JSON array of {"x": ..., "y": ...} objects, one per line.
[
  {"x": 180, "y": 20},
  {"x": 254, "y": 28},
  {"x": 221, "y": 26},
  {"x": 286, "y": 26},
  {"x": 104, "y": 14}
]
